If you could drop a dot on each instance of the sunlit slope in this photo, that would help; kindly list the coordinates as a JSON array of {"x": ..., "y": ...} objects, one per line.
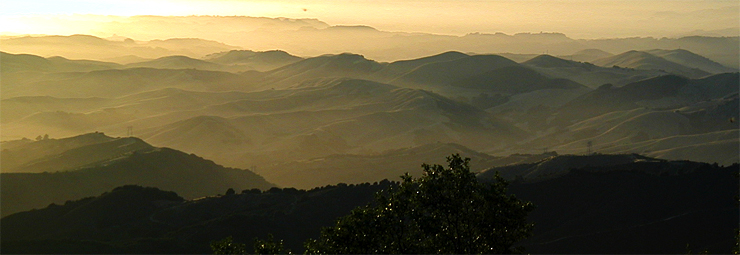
[
  {"x": 401, "y": 67},
  {"x": 178, "y": 62},
  {"x": 646, "y": 61},
  {"x": 71, "y": 153},
  {"x": 586, "y": 73},
  {"x": 87, "y": 170},
  {"x": 27, "y": 62},
  {"x": 327, "y": 66},
  {"x": 587, "y": 55},
  {"x": 690, "y": 59},
  {"x": 253, "y": 60}
]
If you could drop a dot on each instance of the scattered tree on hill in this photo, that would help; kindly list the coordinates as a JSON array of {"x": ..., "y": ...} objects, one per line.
[
  {"x": 269, "y": 246},
  {"x": 445, "y": 211},
  {"x": 230, "y": 192},
  {"x": 228, "y": 246}
]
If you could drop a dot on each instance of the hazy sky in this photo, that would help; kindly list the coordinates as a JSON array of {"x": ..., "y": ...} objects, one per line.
[{"x": 576, "y": 18}]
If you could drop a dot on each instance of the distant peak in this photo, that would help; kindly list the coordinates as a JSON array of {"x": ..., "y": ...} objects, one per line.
[{"x": 353, "y": 27}]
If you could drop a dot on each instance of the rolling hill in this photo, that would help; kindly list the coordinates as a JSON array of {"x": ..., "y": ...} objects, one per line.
[
  {"x": 116, "y": 83},
  {"x": 32, "y": 63},
  {"x": 178, "y": 62},
  {"x": 446, "y": 72},
  {"x": 90, "y": 164},
  {"x": 254, "y": 60},
  {"x": 690, "y": 59},
  {"x": 646, "y": 61}
]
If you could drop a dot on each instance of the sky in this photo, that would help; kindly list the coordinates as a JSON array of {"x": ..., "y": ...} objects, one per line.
[{"x": 586, "y": 19}]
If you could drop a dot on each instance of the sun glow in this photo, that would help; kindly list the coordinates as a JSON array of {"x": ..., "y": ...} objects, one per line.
[{"x": 576, "y": 18}]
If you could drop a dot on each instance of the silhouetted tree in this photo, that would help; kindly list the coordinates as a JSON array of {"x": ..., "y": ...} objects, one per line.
[
  {"x": 228, "y": 246},
  {"x": 269, "y": 246},
  {"x": 445, "y": 211}
]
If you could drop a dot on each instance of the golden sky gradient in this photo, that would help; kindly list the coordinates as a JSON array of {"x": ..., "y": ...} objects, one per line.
[{"x": 575, "y": 18}]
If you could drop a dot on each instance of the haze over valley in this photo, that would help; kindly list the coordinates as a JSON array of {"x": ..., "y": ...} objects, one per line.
[{"x": 288, "y": 123}]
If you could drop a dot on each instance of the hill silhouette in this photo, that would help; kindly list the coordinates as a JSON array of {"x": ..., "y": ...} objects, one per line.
[
  {"x": 668, "y": 203},
  {"x": 586, "y": 73},
  {"x": 342, "y": 65},
  {"x": 116, "y": 83},
  {"x": 111, "y": 165},
  {"x": 647, "y": 61},
  {"x": 347, "y": 104},
  {"x": 587, "y": 55},
  {"x": 178, "y": 62},
  {"x": 445, "y": 72},
  {"x": 32, "y": 63},
  {"x": 66, "y": 153},
  {"x": 260, "y": 61},
  {"x": 690, "y": 59},
  {"x": 514, "y": 80}
]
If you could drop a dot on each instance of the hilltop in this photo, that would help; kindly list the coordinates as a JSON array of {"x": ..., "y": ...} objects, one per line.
[{"x": 87, "y": 165}]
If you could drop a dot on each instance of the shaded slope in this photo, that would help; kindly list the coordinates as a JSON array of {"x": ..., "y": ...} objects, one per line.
[
  {"x": 190, "y": 175},
  {"x": 116, "y": 83},
  {"x": 665, "y": 92},
  {"x": 555, "y": 166},
  {"x": 359, "y": 168},
  {"x": 147, "y": 220},
  {"x": 514, "y": 80},
  {"x": 587, "y": 73},
  {"x": 640, "y": 207},
  {"x": 442, "y": 73},
  {"x": 643, "y": 207}
]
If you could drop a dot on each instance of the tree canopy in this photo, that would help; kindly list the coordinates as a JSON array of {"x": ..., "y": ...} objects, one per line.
[{"x": 446, "y": 210}]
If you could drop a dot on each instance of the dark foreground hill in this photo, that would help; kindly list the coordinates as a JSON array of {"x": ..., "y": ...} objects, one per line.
[
  {"x": 187, "y": 174},
  {"x": 628, "y": 207}
]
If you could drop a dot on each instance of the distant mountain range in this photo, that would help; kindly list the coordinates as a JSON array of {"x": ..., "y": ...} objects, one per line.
[
  {"x": 311, "y": 108},
  {"x": 602, "y": 204},
  {"x": 38, "y": 173},
  {"x": 317, "y": 38}
]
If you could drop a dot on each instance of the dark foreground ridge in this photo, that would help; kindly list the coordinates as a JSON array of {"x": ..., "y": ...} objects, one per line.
[{"x": 633, "y": 207}]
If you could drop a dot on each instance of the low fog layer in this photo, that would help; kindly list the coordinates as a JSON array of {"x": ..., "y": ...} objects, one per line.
[{"x": 151, "y": 38}]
